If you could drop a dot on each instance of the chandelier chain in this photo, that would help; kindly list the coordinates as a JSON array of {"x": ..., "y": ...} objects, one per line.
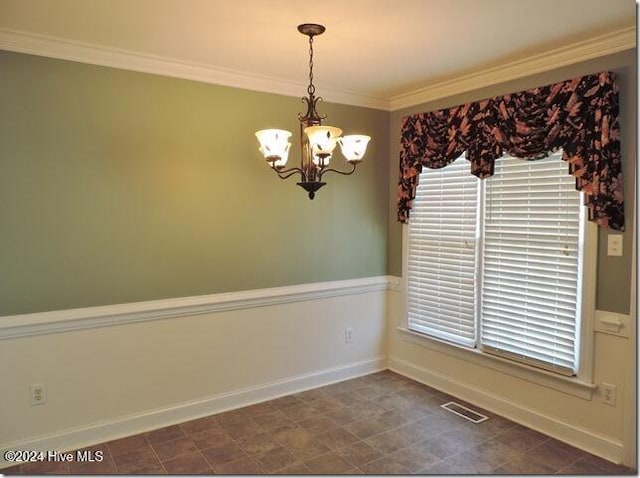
[{"x": 311, "y": 89}]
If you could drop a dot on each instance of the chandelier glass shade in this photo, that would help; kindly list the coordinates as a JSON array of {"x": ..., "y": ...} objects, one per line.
[{"x": 317, "y": 142}]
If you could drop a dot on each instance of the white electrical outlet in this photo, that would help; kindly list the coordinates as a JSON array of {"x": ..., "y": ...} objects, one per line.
[
  {"x": 348, "y": 335},
  {"x": 38, "y": 393},
  {"x": 608, "y": 394}
]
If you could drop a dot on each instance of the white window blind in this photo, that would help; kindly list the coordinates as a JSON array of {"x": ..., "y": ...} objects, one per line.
[
  {"x": 529, "y": 283},
  {"x": 442, "y": 254},
  {"x": 495, "y": 264}
]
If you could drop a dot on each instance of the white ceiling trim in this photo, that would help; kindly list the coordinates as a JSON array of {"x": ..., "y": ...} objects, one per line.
[
  {"x": 599, "y": 46},
  {"x": 24, "y": 42}
]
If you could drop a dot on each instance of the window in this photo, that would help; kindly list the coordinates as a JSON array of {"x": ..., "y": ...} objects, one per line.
[{"x": 496, "y": 264}]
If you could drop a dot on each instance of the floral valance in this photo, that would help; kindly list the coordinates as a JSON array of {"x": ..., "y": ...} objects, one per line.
[{"x": 579, "y": 115}]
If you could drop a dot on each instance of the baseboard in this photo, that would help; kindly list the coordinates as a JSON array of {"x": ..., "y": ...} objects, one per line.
[
  {"x": 600, "y": 445},
  {"x": 103, "y": 431}
]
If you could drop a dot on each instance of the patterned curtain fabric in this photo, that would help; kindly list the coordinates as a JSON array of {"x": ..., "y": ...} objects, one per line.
[{"x": 579, "y": 115}]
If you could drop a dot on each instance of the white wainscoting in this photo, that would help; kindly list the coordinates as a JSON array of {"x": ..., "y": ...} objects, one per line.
[{"x": 123, "y": 369}]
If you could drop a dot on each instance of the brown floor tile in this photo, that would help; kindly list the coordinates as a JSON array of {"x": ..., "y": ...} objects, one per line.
[
  {"x": 439, "y": 424},
  {"x": 523, "y": 466},
  {"x": 605, "y": 466},
  {"x": 495, "y": 451},
  {"x": 359, "y": 453},
  {"x": 165, "y": 434},
  {"x": 222, "y": 454},
  {"x": 442, "y": 446},
  {"x": 12, "y": 470},
  {"x": 467, "y": 463},
  {"x": 256, "y": 444},
  {"x": 342, "y": 387},
  {"x": 103, "y": 467},
  {"x": 494, "y": 426},
  {"x": 284, "y": 402},
  {"x": 307, "y": 450},
  {"x": 418, "y": 431},
  {"x": 295, "y": 469},
  {"x": 300, "y": 412},
  {"x": 243, "y": 466},
  {"x": 258, "y": 409},
  {"x": 210, "y": 438},
  {"x": 44, "y": 467},
  {"x": 420, "y": 391},
  {"x": 434, "y": 403},
  {"x": 318, "y": 424},
  {"x": 441, "y": 467},
  {"x": 365, "y": 428},
  {"x": 369, "y": 409},
  {"x": 565, "y": 447},
  {"x": 521, "y": 440},
  {"x": 387, "y": 442},
  {"x": 345, "y": 415},
  {"x": 328, "y": 464},
  {"x": 470, "y": 436},
  {"x": 138, "y": 459},
  {"x": 413, "y": 458},
  {"x": 152, "y": 470},
  {"x": 337, "y": 438},
  {"x": 275, "y": 460},
  {"x": 345, "y": 398},
  {"x": 393, "y": 401},
  {"x": 327, "y": 404},
  {"x": 309, "y": 395},
  {"x": 231, "y": 416},
  {"x": 199, "y": 425},
  {"x": 550, "y": 456},
  {"x": 580, "y": 468},
  {"x": 242, "y": 429},
  {"x": 292, "y": 435},
  {"x": 126, "y": 445},
  {"x": 273, "y": 420},
  {"x": 395, "y": 418},
  {"x": 372, "y": 392},
  {"x": 189, "y": 464},
  {"x": 384, "y": 466},
  {"x": 168, "y": 450}
]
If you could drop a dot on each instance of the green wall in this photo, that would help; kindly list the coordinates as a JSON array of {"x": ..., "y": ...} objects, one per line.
[
  {"x": 613, "y": 285},
  {"x": 117, "y": 186}
]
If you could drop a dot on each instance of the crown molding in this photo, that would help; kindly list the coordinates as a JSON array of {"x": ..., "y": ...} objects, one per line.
[
  {"x": 599, "y": 46},
  {"x": 33, "y": 44}
]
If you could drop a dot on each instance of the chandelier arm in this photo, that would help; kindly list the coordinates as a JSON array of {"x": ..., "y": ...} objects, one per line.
[
  {"x": 344, "y": 173},
  {"x": 287, "y": 173}
]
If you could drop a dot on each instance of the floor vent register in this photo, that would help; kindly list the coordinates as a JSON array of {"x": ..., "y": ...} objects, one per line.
[{"x": 464, "y": 412}]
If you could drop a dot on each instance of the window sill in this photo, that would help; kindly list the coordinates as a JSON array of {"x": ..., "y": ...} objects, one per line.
[{"x": 570, "y": 385}]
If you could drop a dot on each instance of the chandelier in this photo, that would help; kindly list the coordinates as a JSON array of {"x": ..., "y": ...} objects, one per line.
[{"x": 317, "y": 142}]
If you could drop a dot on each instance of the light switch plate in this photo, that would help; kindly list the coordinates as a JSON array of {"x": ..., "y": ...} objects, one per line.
[{"x": 614, "y": 245}]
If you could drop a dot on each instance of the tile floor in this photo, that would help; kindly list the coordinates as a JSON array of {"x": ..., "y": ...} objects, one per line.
[{"x": 379, "y": 424}]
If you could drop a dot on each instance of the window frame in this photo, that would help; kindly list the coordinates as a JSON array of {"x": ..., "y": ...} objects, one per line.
[{"x": 581, "y": 384}]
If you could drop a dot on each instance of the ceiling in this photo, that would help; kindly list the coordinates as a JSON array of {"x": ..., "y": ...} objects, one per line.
[{"x": 378, "y": 53}]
